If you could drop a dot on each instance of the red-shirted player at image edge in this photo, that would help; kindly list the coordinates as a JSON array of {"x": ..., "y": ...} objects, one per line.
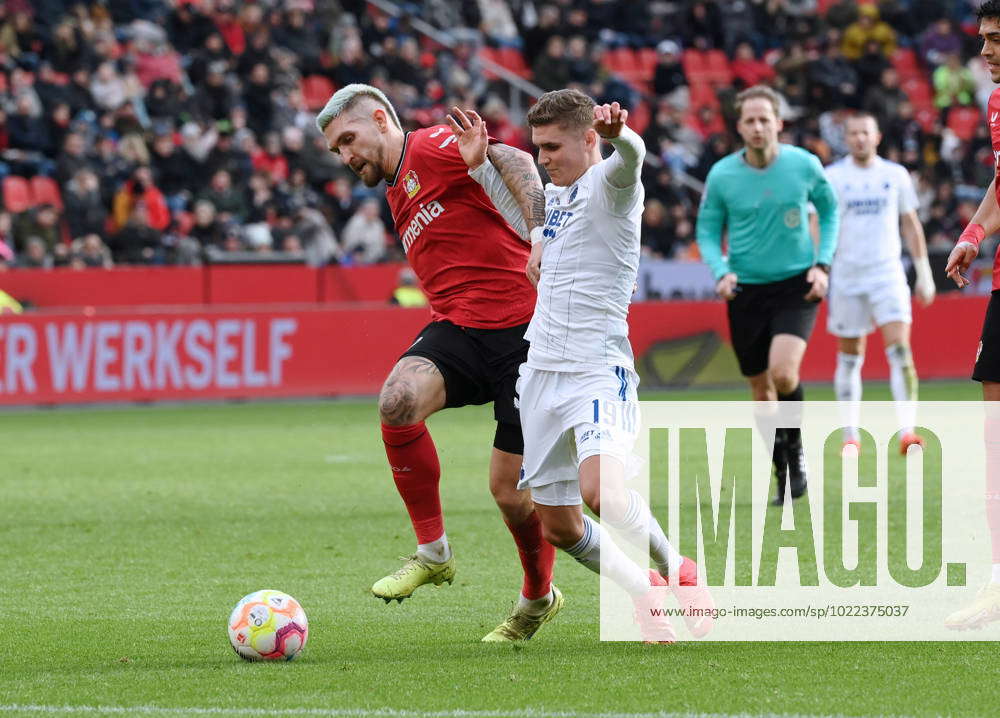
[{"x": 985, "y": 608}]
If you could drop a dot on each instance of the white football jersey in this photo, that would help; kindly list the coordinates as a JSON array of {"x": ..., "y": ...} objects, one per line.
[
  {"x": 590, "y": 259},
  {"x": 871, "y": 200}
]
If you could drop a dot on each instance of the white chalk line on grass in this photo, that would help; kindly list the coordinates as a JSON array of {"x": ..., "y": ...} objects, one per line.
[{"x": 375, "y": 712}]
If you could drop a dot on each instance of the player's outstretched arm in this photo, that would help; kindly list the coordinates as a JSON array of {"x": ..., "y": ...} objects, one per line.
[
  {"x": 624, "y": 167},
  {"x": 473, "y": 143},
  {"x": 916, "y": 243},
  {"x": 985, "y": 221}
]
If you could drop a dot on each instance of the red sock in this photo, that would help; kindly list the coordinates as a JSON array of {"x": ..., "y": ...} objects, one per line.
[
  {"x": 416, "y": 471},
  {"x": 537, "y": 557}
]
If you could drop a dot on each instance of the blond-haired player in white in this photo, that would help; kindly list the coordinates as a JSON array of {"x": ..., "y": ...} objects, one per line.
[
  {"x": 867, "y": 282},
  {"x": 577, "y": 390}
]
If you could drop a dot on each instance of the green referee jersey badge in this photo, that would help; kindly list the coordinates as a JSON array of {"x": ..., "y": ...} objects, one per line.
[{"x": 793, "y": 218}]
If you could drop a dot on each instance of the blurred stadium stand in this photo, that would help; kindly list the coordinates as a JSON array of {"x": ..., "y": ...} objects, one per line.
[{"x": 217, "y": 98}]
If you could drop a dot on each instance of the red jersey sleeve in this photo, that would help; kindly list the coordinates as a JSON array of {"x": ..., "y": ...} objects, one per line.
[{"x": 469, "y": 260}]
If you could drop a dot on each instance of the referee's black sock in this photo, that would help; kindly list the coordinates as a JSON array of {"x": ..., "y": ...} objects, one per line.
[
  {"x": 792, "y": 417},
  {"x": 792, "y": 435}
]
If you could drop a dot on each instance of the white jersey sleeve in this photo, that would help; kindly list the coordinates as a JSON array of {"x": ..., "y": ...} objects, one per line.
[
  {"x": 621, "y": 173},
  {"x": 908, "y": 201}
]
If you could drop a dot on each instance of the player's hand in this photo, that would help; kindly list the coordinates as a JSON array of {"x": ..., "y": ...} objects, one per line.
[
  {"x": 925, "y": 293},
  {"x": 609, "y": 120},
  {"x": 819, "y": 281},
  {"x": 726, "y": 286},
  {"x": 534, "y": 268},
  {"x": 958, "y": 263},
  {"x": 470, "y": 129}
]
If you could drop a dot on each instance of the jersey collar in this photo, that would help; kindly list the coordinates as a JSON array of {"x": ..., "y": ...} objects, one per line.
[{"x": 402, "y": 156}]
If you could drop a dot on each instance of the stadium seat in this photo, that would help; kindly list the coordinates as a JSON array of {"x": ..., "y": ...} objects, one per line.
[
  {"x": 316, "y": 91},
  {"x": 16, "y": 194},
  {"x": 512, "y": 59},
  {"x": 702, "y": 95},
  {"x": 918, "y": 91},
  {"x": 718, "y": 68},
  {"x": 906, "y": 63},
  {"x": 45, "y": 190},
  {"x": 964, "y": 121},
  {"x": 490, "y": 54},
  {"x": 638, "y": 118},
  {"x": 926, "y": 118},
  {"x": 648, "y": 59},
  {"x": 695, "y": 66}
]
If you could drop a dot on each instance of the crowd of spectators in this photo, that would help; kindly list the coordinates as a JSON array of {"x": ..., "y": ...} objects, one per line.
[{"x": 180, "y": 131}]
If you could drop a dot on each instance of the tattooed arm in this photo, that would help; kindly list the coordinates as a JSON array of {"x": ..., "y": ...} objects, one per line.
[
  {"x": 508, "y": 175},
  {"x": 520, "y": 175}
]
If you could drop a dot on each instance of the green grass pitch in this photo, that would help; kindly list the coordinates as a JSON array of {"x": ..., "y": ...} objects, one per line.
[{"x": 127, "y": 534}]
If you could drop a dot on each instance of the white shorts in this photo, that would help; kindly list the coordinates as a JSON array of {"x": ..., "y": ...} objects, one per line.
[
  {"x": 567, "y": 417},
  {"x": 855, "y": 311}
]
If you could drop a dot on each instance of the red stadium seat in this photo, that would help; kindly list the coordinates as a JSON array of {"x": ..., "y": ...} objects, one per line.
[
  {"x": 490, "y": 54},
  {"x": 648, "y": 59},
  {"x": 16, "y": 194},
  {"x": 918, "y": 91},
  {"x": 513, "y": 60},
  {"x": 45, "y": 190},
  {"x": 695, "y": 66},
  {"x": 316, "y": 91},
  {"x": 703, "y": 95},
  {"x": 906, "y": 63},
  {"x": 926, "y": 118},
  {"x": 638, "y": 118},
  {"x": 964, "y": 121},
  {"x": 718, "y": 68}
]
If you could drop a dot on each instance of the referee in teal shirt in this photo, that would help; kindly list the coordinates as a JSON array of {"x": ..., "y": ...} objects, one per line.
[{"x": 774, "y": 276}]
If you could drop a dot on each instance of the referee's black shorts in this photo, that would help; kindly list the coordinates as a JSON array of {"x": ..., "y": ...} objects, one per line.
[
  {"x": 760, "y": 311},
  {"x": 479, "y": 366},
  {"x": 987, "y": 366}
]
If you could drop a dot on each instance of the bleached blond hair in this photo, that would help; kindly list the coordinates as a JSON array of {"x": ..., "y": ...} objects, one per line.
[{"x": 346, "y": 97}]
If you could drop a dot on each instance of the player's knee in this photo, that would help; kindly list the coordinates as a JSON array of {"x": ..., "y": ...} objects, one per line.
[
  {"x": 785, "y": 379},
  {"x": 397, "y": 404},
  {"x": 562, "y": 536},
  {"x": 513, "y": 504},
  {"x": 592, "y": 497}
]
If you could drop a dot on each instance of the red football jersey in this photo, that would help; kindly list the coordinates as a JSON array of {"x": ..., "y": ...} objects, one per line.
[
  {"x": 993, "y": 110},
  {"x": 469, "y": 260}
]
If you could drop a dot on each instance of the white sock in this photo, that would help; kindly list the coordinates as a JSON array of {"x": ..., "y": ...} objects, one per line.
[
  {"x": 621, "y": 570},
  {"x": 638, "y": 520},
  {"x": 847, "y": 385},
  {"x": 534, "y": 606},
  {"x": 903, "y": 382},
  {"x": 996, "y": 573},
  {"x": 436, "y": 551}
]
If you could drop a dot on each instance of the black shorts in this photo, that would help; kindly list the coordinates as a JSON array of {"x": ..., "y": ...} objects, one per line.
[
  {"x": 760, "y": 311},
  {"x": 987, "y": 366},
  {"x": 478, "y": 365}
]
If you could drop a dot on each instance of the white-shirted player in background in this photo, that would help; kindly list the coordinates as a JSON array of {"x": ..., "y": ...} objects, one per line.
[
  {"x": 867, "y": 282},
  {"x": 578, "y": 387}
]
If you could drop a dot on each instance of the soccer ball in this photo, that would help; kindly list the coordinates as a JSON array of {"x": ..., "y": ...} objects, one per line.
[{"x": 268, "y": 626}]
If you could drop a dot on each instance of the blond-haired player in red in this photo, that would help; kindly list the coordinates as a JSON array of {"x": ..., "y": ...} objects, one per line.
[{"x": 466, "y": 236}]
